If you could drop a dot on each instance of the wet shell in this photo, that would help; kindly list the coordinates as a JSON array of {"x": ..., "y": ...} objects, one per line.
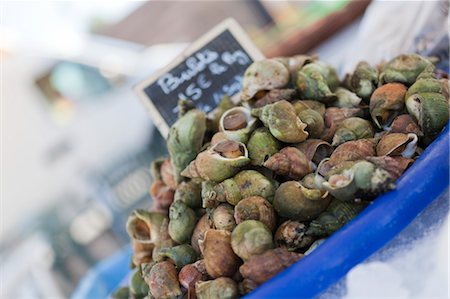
[
  {"x": 220, "y": 259},
  {"x": 282, "y": 122},
  {"x": 189, "y": 193},
  {"x": 397, "y": 144},
  {"x": 263, "y": 75},
  {"x": 276, "y": 95},
  {"x": 255, "y": 208},
  {"x": 260, "y": 268},
  {"x": 315, "y": 149},
  {"x": 162, "y": 280},
  {"x": 290, "y": 162},
  {"x": 386, "y": 103},
  {"x": 291, "y": 235},
  {"x": 405, "y": 124},
  {"x": 296, "y": 202},
  {"x": 251, "y": 237}
]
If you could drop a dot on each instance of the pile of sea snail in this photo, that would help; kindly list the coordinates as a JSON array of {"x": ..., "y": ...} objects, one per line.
[{"x": 250, "y": 189}]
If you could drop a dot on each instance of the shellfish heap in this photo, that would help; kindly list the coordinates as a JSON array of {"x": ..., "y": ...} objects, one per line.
[{"x": 250, "y": 189}]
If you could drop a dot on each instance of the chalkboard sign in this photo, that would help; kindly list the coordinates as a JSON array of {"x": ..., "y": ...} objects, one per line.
[{"x": 209, "y": 69}]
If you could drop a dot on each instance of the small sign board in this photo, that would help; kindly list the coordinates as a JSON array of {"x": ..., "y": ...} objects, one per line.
[{"x": 210, "y": 68}]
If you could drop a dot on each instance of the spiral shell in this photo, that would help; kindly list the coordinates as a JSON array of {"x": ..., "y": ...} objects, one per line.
[
  {"x": 363, "y": 81},
  {"x": 291, "y": 235},
  {"x": 223, "y": 217},
  {"x": 260, "y": 268},
  {"x": 290, "y": 162},
  {"x": 275, "y": 95},
  {"x": 317, "y": 81},
  {"x": 404, "y": 69},
  {"x": 185, "y": 140},
  {"x": 219, "y": 288},
  {"x": 282, "y": 122},
  {"x": 220, "y": 259},
  {"x": 395, "y": 166},
  {"x": 255, "y": 208},
  {"x": 315, "y": 150},
  {"x": 346, "y": 98},
  {"x": 162, "y": 279},
  {"x": 251, "y": 237},
  {"x": 352, "y": 128},
  {"x": 261, "y": 146},
  {"x": 181, "y": 222},
  {"x": 199, "y": 232},
  {"x": 266, "y": 74},
  {"x": 302, "y": 105},
  {"x": 386, "y": 103},
  {"x": 296, "y": 202},
  {"x": 237, "y": 123},
  {"x": 219, "y": 162},
  {"x": 314, "y": 122},
  {"x": 397, "y": 144},
  {"x": 405, "y": 124},
  {"x": 334, "y": 117},
  {"x": 190, "y": 274}
]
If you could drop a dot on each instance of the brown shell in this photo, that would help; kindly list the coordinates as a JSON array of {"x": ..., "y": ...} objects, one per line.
[
  {"x": 167, "y": 174},
  {"x": 218, "y": 137},
  {"x": 386, "y": 100},
  {"x": 334, "y": 117},
  {"x": 392, "y": 144},
  {"x": 142, "y": 252},
  {"x": 189, "y": 275},
  {"x": 395, "y": 166},
  {"x": 315, "y": 149},
  {"x": 163, "y": 280},
  {"x": 198, "y": 234},
  {"x": 220, "y": 259},
  {"x": 405, "y": 124},
  {"x": 162, "y": 196},
  {"x": 349, "y": 151},
  {"x": 309, "y": 104},
  {"x": 246, "y": 286},
  {"x": 255, "y": 208},
  {"x": 291, "y": 234},
  {"x": 276, "y": 95},
  {"x": 290, "y": 162},
  {"x": 223, "y": 217},
  {"x": 260, "y": 268}
]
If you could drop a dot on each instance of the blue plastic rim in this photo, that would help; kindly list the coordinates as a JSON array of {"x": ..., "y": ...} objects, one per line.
[{"x": 389, "y": 214}]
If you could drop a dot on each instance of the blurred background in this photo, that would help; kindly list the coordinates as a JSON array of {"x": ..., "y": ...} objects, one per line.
[{"x": 77, "y": 142}]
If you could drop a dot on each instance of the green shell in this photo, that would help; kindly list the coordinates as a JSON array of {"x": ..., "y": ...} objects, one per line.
[
  {"x": 185, "y": 140},
  {"x": 363, "y": 81},
  {"x": 251, "y": 237},
  {"x": 336, "y": 215},
  {"x": 296, "y": 202},
  {"x": 180, "y": 255},
  {"x": 282, "y": 121},
  {"x": 404, "y": 68},
  {"x": 352, "y": 128},
  {"x": 219, "y": 288},
  {"x": 346, "y": 98},
  {"x": 189, "y": 193},
  {"x": 181, "y": 222},
  {"x": 314, "y": 122},
  {"x": 121, "y": 293},
  {"x": 317, "y": 81},
  {"x": 431, "y": 112},
  {"x": 261, "y": 146},
  {"x": 138, "y": 286}
]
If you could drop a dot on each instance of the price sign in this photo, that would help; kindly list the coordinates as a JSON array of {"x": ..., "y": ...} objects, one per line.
[{"x": 209, "y": 69}]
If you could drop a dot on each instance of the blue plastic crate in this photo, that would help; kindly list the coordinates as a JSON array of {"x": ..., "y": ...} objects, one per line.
[{"x": 423, "y": 182}]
